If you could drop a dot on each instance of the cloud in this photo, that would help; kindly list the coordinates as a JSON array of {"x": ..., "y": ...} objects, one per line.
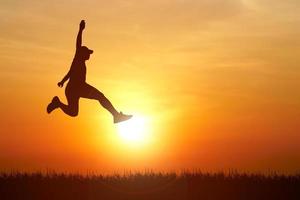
[{"x": 179, "y": 15}]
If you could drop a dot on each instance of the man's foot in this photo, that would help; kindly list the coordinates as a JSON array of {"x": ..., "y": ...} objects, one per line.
[
  {"x": 53, "y": 105},
  {"x": 120, "y": 117}
]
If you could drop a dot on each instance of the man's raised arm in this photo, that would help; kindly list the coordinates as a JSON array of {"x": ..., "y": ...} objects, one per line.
[{"x": 79, "y": 35}]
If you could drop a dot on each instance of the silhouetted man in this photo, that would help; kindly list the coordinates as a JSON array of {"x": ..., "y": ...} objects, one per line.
[{"x": 77, "y": 86}]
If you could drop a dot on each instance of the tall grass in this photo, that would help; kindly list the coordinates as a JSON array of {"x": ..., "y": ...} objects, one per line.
[{"x": 148, "y": 185}]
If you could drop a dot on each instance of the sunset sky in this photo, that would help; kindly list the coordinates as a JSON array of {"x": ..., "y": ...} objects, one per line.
[{"x": 217, "y": 83}]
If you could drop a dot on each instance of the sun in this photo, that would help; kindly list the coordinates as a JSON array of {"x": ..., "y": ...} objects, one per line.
[{"x": 134, "y": 130}]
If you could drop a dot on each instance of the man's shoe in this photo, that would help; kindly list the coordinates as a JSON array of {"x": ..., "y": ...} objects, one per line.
[
  {"x": 120, "y": 117},
  {"x": 53, "y": 105}
]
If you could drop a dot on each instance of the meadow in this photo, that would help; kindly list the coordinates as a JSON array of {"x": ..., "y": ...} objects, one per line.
[{"x": 148, "y": 185}]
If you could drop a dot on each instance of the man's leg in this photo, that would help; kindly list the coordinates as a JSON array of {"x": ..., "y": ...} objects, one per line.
[
  {"x": 92, "y": 93},
  {"x": 70, "y": 109},
  {"x": 52, "y": 105}
]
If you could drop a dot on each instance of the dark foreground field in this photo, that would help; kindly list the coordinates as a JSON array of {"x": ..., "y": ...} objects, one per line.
[{"x": 143, "y": 186}]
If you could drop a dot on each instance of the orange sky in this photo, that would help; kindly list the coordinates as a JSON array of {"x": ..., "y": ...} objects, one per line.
[{"x": 218, "y": 82}]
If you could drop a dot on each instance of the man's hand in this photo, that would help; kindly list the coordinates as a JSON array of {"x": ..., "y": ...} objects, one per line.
[
  {"x": 60, "y": 84},
  {"x": 82, "y": 25}
]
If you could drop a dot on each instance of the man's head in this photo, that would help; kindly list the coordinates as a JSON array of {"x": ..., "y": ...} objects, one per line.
[{"x": 85, "y": 52}]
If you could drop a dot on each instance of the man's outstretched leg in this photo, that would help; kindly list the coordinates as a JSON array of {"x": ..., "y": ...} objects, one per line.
[
  {"x": 92, "y": 93},
  {"x": 118, "y": 116}
]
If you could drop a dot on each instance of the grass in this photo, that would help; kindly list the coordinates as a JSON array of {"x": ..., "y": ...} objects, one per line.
[{"x": 148, "y": 185}]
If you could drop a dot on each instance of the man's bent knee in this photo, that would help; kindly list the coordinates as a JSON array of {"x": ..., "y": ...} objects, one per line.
[{"x": 73, "y": 113}]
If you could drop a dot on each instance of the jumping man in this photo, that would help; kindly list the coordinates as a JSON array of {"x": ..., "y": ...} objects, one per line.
[{"x": 77, "y": 86}]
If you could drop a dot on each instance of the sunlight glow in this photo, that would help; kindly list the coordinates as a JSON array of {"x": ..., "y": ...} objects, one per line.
[{"x": 134, "y": 130}]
